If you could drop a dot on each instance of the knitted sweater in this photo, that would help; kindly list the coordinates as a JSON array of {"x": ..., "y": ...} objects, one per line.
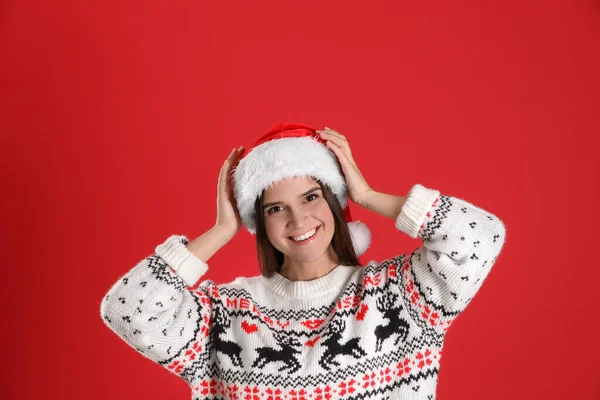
[{"x": 372, "y": 332}]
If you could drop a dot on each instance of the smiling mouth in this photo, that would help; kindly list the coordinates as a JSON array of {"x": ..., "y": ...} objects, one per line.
[{"x": 300, "y": 241}]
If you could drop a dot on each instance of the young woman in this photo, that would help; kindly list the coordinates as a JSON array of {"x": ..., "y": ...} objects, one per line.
[{"x": 315, "y": 324}]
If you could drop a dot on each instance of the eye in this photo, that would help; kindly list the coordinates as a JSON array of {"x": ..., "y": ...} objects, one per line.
[
  {"x": 310, "y": 196},
  {"x": 270, "y": 210}
]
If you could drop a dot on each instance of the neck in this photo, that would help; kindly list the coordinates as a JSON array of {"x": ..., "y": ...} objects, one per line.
[{"x": 295, "y": 270}]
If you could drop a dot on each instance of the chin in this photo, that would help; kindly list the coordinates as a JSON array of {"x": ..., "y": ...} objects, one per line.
[
  {"x": 307, "y": 259},
  {"x": 308, "y": 256}
]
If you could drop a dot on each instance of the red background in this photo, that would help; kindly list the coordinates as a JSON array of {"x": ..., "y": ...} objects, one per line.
[{"x": 117, "y": 116}]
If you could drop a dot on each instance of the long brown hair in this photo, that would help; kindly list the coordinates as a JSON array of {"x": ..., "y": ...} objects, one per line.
[{"x": 270, "y": 259}]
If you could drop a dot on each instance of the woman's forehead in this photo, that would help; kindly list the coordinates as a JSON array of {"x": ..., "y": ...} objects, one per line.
[{"x": 292, "y": 184}]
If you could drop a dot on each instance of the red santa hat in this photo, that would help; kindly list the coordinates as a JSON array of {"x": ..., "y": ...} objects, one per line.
[{"x": 292, "y": 150}]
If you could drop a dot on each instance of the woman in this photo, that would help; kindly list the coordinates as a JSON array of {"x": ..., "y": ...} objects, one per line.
[{"x": 315, "y": 324}]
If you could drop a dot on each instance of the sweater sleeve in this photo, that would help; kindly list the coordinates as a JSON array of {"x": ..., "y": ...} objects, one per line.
[
  {"x": 461, "y": 243},
  {"x": 155, "y": 311}
]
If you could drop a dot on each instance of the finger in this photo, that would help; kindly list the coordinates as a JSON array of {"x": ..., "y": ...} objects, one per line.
[
  {"x": 225, "y": 168},
  {"x": 232, "y": 161},
  {"x": 337, "y": 137},
  {"x": 332, "y": 134},
  {"x": 222, "y": 176},
  {"x": 344, "y": 156},
  {"x": 240, "y": 152},
  {"x": 232, "y": 155},
  {"x": 340, "y": 141},
  {"x": 339, "y": 152},
  {"x": 343, "y": 159},
  {"x": 328, "y": 135}
]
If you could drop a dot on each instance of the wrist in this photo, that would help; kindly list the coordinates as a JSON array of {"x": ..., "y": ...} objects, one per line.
[
  {"x": 365, "y": 198},
  {"x": 206, "y": 245},
  {"x": 384, "y": 204},
  {"x": 222, "y": 232}
]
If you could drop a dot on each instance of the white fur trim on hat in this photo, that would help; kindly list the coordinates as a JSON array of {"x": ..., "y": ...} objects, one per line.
[{"x": 280, "y": 159}]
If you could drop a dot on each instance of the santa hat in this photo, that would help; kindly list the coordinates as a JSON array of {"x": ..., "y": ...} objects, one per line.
[{"x": 292, "y": 150}]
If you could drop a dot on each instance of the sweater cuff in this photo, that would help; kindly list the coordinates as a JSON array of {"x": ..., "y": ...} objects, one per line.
[
  {"x": 185, "y": 264},
  {"x": 413, "y": 213}
]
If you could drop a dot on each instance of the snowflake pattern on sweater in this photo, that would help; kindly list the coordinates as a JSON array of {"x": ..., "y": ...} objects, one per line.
[{"x": 372, "y": 332}]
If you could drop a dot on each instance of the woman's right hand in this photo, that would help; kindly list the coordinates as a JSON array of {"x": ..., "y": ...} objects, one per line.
[{"x": 228, "y": 216}]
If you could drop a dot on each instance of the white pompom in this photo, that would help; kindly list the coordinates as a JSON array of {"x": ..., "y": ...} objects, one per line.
[{"x": 361, "y": 236}]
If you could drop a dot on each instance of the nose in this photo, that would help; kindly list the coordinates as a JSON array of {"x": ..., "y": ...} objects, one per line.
[{"x": 298, "y": 218}]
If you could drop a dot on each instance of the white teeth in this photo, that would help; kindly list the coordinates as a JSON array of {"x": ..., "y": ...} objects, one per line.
[{"x": 305, "y": 236}]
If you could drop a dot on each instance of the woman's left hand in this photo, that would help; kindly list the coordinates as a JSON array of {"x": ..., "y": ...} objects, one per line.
[{"x": 356, "y": 183}]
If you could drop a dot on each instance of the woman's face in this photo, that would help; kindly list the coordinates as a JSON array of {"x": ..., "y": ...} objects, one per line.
[{"x": 294, "y": 207}]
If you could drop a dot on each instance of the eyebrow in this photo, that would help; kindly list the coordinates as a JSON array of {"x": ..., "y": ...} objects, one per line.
[{"x": 302, "y": 195}]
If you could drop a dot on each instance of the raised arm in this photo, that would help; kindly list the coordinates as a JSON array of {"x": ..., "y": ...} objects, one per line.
[
  {"x": 155, "y": 307},
  {"x": 155, "y": 311},
  {"x": 461, "y": 243}
]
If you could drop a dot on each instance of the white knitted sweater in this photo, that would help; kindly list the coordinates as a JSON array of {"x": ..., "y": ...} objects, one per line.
[{"x": 373, "y": 332}]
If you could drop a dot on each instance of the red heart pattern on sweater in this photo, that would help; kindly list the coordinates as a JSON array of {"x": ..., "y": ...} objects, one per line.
[
  {"x": 249, "y": 328},
  {"x": 312, "y": 323}
]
